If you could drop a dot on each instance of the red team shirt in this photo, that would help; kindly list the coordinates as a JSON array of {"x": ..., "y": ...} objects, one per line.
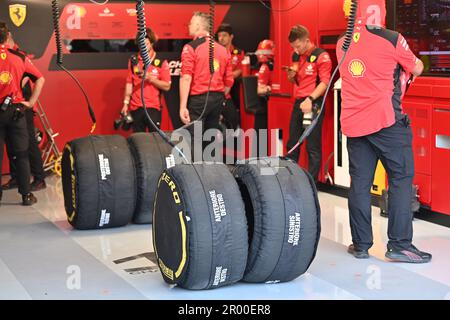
[
  {"x": 152, "y": 94},
  {"x": 373, "y": 80},
  {"x": 312, "y": 68},
  {"x": 237, "y": 55},
  {"x": 13, "y": 67},
  {"x": 195, "y": 62},
  {"x": 264, "y": 75}
]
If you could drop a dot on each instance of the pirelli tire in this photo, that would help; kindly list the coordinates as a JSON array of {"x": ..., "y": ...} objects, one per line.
[
  {"x": 151, "y": 156},
  {"x": 199, "y": 227},
  {"x": 283, "y": 213},
  {"x": 99, "y": 182}
]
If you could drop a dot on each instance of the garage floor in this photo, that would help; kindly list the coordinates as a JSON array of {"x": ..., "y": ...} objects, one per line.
[{"x": 41, "y": 257}]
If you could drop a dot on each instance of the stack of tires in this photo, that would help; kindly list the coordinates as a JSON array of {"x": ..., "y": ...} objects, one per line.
[
  {"x": 258, "y": 223},
  {"x": 109, "y": 181},
  {"x": 99, "y": 182},
  {"x": 151, "y": 156}
]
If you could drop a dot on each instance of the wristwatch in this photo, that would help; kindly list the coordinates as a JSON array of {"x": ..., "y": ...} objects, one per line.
[{"x": 310, "y": 98}]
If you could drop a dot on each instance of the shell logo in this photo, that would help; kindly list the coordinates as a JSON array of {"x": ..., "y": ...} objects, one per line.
[
  {"x": 5, "y": 78},
  {"x": 357, "y": 68},
  {"x": 216, "y": 65}
]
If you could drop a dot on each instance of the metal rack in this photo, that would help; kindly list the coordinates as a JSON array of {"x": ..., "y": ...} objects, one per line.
[{"x": 51, "y": 156}]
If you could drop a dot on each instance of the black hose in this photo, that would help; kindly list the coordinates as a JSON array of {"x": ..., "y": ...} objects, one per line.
[
  {"x": 350, "y": 26},
  {"x": 55, "y": 16},
  {"x": 59, "y": 59},
  {"x": 212, "y": 15},
  {"x": 346, "y": 45},
  {"x": 142, "y": 34}
]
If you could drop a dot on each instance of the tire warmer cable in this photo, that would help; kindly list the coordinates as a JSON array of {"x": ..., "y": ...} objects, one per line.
[
  {"x": 59, "y": 60},
  {"x": 142, "y": 34},
  {"x": 141, "y": 22},
  {"x": 345, "y": 47}
]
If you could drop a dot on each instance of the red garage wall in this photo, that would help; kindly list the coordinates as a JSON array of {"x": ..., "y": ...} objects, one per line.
[
  {"x": 427, "y": 102},
  {"x": 323, "y": 19}
]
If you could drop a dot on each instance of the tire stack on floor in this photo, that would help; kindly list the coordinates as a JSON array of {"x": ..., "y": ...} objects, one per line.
[
  {"x": 258, "y": 222},
  {"x": 151, "y": 156},
  {"x": 99, "y": 182},
  {"x": 199, "y": 227},
  {"x": 283, "y": 215},
  {"x": 109, "y": 181},
  {"x": 211, "y": 229}
]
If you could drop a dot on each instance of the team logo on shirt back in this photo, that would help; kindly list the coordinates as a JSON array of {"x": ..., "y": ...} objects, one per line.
[
  {"x": 356, "y": 37},
  {"x": 5, "y": 78},
  {"x": 216, "y": 65},
  {"x": 357, "y": 68},
  {"x": 17, "y": 14}
]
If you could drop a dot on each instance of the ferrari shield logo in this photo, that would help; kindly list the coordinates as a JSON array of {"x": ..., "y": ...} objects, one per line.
[
  {"x": 3, "y": 56},
  {"x": 18, "y": 13},
  {"x": 356, "y": 37},
  {"x": 312, "y": 58}
]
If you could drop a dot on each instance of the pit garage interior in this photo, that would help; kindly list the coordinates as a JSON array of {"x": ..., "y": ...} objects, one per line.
[{"x": 44, "y": 254}]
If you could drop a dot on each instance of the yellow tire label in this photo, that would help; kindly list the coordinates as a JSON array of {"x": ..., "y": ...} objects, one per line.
[{"x": 169, "y": 273}]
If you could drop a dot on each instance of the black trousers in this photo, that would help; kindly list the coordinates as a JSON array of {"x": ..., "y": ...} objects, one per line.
[
  {"x": 393, "y": 146},
  {"x": 210, "y": 118},
  {"x": 16, "y": 132},
  {"x": 230, "y": 114},
  {"x": 260, "y": 125},
  {"x": 313, "y": 142},
  {"x": 141, "y": 122},
  {"x": 34, "y": 153}
]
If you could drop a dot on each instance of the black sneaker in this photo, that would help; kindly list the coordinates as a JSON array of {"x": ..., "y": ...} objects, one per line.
[
  {"x": 37, "y": 185},
  {"x": 28, "y": 199},
  {"x": 410, "y": 255},
  {"x": 358, "y": 253},
  {"x": 11, "y": 184}
]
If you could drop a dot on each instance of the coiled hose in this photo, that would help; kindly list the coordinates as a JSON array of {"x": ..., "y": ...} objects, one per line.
[
  {"x": 59, "y": 60},
  {"x": 142, "y": 34},
  {"x": 345, "y": 46}
]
